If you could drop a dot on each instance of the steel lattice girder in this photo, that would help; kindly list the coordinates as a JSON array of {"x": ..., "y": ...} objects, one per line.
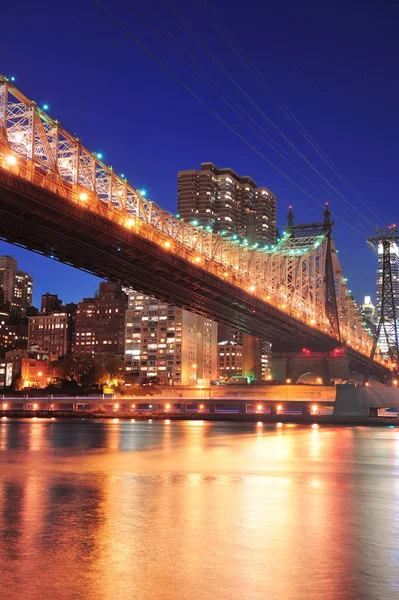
[{"x": 290, "y": 276}]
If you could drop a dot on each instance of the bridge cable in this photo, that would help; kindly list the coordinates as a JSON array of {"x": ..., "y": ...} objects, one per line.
[
  {"x": 286, "y": 111},
  {"x": 276, "y": 147},
  {"x": 221, "y": 119}
]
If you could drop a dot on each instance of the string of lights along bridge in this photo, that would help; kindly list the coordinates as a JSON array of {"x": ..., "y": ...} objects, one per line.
[{"x": 298, "y": 280}]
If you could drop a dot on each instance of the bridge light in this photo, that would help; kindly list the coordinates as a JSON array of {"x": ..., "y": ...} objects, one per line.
[
  {"x": 319, "y": 380},
  {"x": 120, "y": 193},
  {"x": 259, "y": 424},
  {"x": 35, "y": 406},
  {"x": 116, "y": 405},
  {"x": 133, "y": 406},
  {"x": 288, "y": 380},
  {"x": 314, "y": 408},
  {"x": 395, "y": 382},
  {"x": 12, "y": 78},
  {"x": 197, "y": 259},
  {"x": 312, "y": 322},
  {"x": 279, "y": 407},
  {"x": 252, "y": 288},
  {"x": 130, "y": 222},
  {"x": 194, "y": 222},
  {"x": 283, "y": 306},
  {"x": 45, "y": 107},
  {"x": 4, "y": 405},
  {"x": 11, "y": 160},
  {"x": 225, "y": 274},
  {"x": 167, "y": 406},
  {"x": 259, "y": 407},
  {"x": 167, "y": 244},
  {"x": 177, "y": 216},
  {"x": 143, "y": 193},
  {"x": 83, "y": 196},
  {"x": 99, "y": 155}
]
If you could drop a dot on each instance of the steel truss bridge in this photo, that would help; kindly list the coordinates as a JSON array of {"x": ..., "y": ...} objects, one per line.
[{"x": 59, "y": 199}]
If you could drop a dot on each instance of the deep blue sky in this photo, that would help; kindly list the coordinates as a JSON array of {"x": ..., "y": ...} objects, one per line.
[{"x": 335, "y": 65}]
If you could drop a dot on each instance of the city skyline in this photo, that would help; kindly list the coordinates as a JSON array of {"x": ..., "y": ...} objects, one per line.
[{"x": 303, "y": 80}]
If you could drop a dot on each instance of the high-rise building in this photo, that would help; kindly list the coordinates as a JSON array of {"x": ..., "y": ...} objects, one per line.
[
  {"x": 229, "y": 360},
  {"x": 169, "y": 343},
  {"x": 112, "y": 303},
  {"x": 225, "y": 201},
  {"x": 85, "y": 340},
  {"x": 368, "y": 309},
  {"x": 100, "y": 322},
  {"x": 394, "y": 259},
  {"x": 51, "y": 333},
  {"x": 50, "y": 303},
  {"x": 16, "y": 286},
  {"x": 13, "y": 332}
]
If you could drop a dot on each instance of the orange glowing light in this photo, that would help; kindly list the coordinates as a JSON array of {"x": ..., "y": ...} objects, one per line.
[
  {"x": 35, "y": 406},
  {"x": 201, "y": 406},
  {"x": 197, "y": 259},
  {"x": 5, "y": 405},
  {"x": 116, "y": 405},
  {"x": 83, "y": 196},
  {"x": 133, "y": 406},
  {"x": 288, "y": 380},
  {"x": 279, "y": 407},
  {"x": 11, "y": 160},
  {"x": 314, "y": 408},
  {"x": 252, "y": 288},
  {"x": 130, "y": 222},
  {"x": 259, "y": 424},
  {"x": 40, "y": 373},
  {"x": 167, "y": 406},
  {"x": 167, "y": 244},
  {"x": 259, "y": 407},
  {"x": 312, "y": 321},
  {"x": 319, "y": 380}
]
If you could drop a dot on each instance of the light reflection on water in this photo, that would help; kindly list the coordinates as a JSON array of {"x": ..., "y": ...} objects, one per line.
[{"x": 197, "y": 511}]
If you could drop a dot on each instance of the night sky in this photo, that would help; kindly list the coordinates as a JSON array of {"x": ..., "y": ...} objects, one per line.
[{"x": 334, "y": 65}]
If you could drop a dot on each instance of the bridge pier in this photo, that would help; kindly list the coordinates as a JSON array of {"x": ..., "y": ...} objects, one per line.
[{"x": 323, "y": 366}]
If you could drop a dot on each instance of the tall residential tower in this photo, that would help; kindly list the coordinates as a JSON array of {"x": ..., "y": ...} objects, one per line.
[{"x": 225, "y": 201}]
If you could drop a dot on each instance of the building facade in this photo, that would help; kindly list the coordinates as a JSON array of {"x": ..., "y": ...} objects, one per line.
[
  {"x": 169, "y": 343},
  {"x": 100, "y": 322},
  {"x": 229, "y": 360},
  {"x": 85, "y": 339},
  {"x": 224, "y": 201},
  {"x": 50, "y": 303},
  {"x": 16, "y": 287},
  {"x": 51, "y": 333}
]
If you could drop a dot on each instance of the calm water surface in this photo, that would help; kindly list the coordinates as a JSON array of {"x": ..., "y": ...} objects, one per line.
[{"x": 197, "y": 511}]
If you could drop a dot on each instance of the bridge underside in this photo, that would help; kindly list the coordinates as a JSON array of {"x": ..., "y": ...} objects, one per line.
[{"x": 36, "y": 219}]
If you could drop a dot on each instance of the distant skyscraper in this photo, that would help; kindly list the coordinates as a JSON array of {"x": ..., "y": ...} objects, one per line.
[
  {"x": 394, "y": 256},
  {"x": 16, "y": 286},
  {"x": 368, "y": 310},
  {"x": 225, "y": 201},
  {"x": 168, "y": 342}
]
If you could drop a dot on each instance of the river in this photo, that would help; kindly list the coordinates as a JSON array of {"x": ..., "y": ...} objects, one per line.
[{"x": 146, "y": 510}]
